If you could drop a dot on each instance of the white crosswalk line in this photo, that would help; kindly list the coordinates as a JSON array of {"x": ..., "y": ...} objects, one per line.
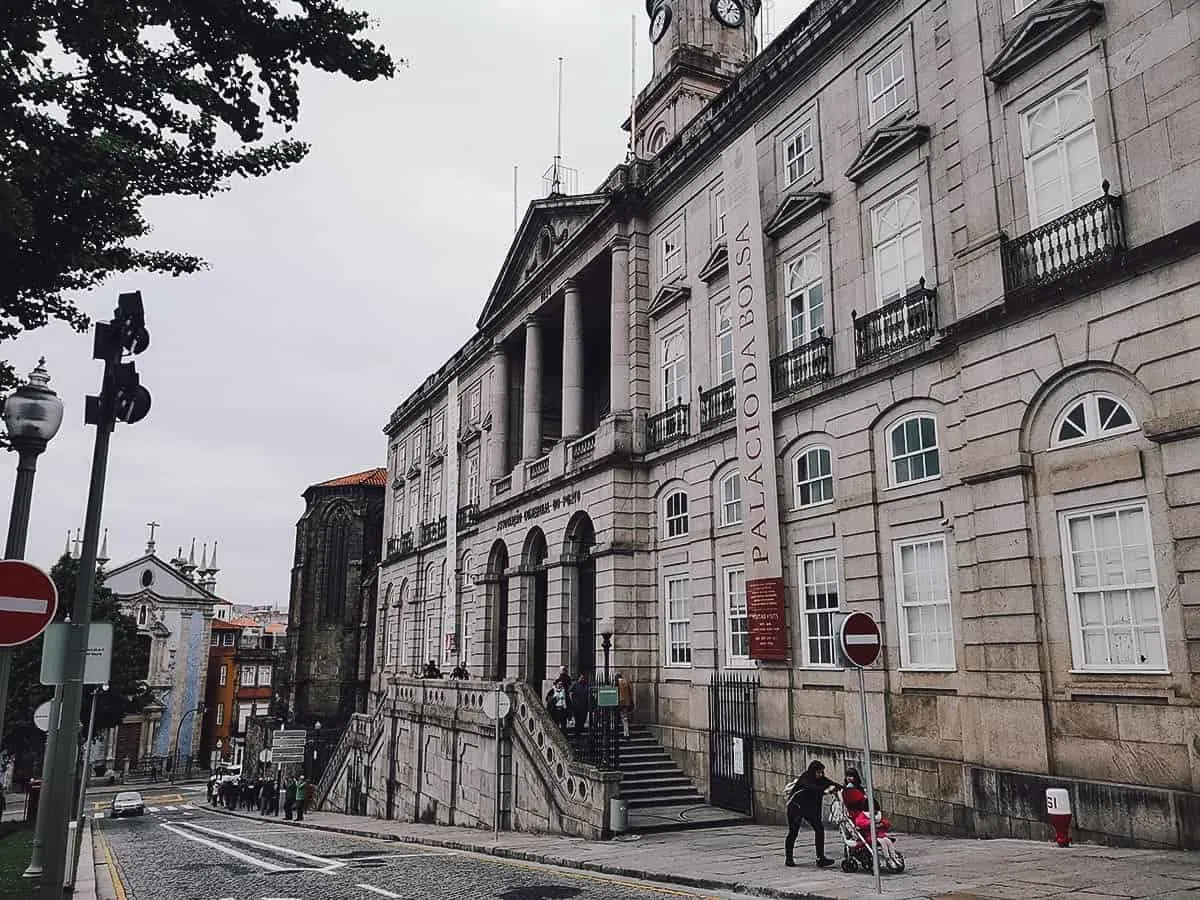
[
  {"x": 171, "y": 809},
  {"x": 187, "y": 806},
  {"x": 380, "y": 891},
  {"x": 152, "y": 809}
]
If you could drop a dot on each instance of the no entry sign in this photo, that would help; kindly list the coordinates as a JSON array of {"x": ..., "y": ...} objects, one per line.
[
  {"x": 28, "y": 600},
  {"x": 861, "y": 639}
]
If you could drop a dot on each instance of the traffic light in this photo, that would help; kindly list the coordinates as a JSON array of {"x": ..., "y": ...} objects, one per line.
[{"x": 122, "y": 397}]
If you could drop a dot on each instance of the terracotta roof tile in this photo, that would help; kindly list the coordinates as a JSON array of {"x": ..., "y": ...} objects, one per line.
[
  {"x": 222, "y": 625},
  {"x": 276, "y": 628},
  {"x": 369, "y": 478},
  {"x": 243, "y": 623}
]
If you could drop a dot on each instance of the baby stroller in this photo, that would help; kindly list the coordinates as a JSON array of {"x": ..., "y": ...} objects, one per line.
[{"x": 857, "y": 855}]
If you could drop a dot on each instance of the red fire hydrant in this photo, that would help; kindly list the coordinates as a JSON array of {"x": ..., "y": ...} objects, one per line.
[{"x": 1058, "y": 808}]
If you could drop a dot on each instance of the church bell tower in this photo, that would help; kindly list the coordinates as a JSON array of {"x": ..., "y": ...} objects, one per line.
[{"x": 699, "y": 47}]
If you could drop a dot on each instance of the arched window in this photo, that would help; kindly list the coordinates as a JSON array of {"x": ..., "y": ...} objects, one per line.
[
  {"x": 675, "y": 514},
  {"x": 433, "y": 580},
  {"x": 335, "y": 584},
  {"x": 387, "y": 626},
  {"x": 913, "y": 450},
  {"x": 658, "y": 140},
  {"x": 142, "y": 615},
  {"x": 467, "y": 619},
  {"x": 1091, "y": 418},
  {"x": 731, "y": 499},
  {"x": 398, "y": 633},
  {"x": 814, "y": 477}
]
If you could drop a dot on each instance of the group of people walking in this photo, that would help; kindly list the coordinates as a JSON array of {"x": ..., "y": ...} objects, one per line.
[
  {"x": 572, "y": 701},
  {"x": 262, "y": 795}
]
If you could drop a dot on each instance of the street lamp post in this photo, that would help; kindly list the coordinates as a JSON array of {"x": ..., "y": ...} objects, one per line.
[
  {"x": 606, "y": 633},
  {"x": 33, "y": 414},
  {"x": 178, "y": 732}
]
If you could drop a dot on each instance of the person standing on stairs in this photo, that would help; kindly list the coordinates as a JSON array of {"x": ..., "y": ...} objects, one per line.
[
  {"x": 624, "y": 701},
  {"x": 804, "y": 805}
]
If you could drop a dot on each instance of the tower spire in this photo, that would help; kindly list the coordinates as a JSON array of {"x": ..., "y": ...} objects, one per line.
[{"x": 103, "y": 558}]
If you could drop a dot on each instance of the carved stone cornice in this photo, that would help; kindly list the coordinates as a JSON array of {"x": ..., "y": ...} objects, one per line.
[
  {"x": 795, "y": 208},
  {"x": 718, "y": 262},
  {"x": 668, "y": 296},
  {"x": 883, "y": 146},
  {"x": 1043, "y": 32}
]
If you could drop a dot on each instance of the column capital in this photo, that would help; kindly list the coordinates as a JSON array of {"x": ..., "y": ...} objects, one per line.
[
  {"x": 533, "y": 320},
  {"x": 498, "y": 348},
  {"x": 619, "y": 243},
  {"x": 571, "y": 284}
]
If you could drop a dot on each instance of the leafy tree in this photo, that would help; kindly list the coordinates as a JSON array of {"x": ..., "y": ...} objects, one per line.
[
  {"x": 127, "y": 691},
  {"x": 103, "y": 104}
]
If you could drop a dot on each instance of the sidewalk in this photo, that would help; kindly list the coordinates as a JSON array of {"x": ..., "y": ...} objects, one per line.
[{"x": 748, "y": 859}]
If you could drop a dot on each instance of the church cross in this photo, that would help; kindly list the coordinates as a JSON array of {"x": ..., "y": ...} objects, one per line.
[{"x": 150, "y": 543}]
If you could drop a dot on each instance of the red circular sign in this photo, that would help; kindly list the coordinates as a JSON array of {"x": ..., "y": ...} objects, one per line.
[
  {"x": 861, "y": 639},
  {"x": 28, "y": 600}
]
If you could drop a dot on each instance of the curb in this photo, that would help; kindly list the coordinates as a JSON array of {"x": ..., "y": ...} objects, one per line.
[{"x": 548, "y": 859}]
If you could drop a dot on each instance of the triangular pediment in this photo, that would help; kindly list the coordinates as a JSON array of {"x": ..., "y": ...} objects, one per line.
[
  {"x": 795, "y": 208},
  {"x": 668, "y": 295},
  {"x": 126, "y": 581},
  {"x": 549, "y": 227},
  {"x": 885, "y": 145},
  {"x": 1044, "y": 31},
  {"x": 718, "y": 262}
]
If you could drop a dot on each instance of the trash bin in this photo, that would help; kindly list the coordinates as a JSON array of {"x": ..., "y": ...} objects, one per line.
[
  {"x": 33, "y": 793},
  {"x": 618, "y": 815}
]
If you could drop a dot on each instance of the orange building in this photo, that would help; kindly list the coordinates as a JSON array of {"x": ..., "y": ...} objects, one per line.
[{"x": 220, "y": 698}]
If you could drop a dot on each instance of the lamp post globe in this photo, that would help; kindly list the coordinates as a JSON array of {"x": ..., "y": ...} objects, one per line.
[{"x": 33, "y": 414}]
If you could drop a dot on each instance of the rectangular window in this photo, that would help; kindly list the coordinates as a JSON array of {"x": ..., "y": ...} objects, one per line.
[
  {"x": 806, "y": 299},
  {"x": 717, "y": 211},
  {"x": 474, "y": 403},
  {"x": 468, "y": 625},
  {"x": 223, "y": 676},
  {"x": 245, "y": 710},
  {"x": 1062, "y": 157},
  {"x": 227, "y": 639},
  {"x": 432, "y": 631},
  {"x": 220, "y": 713},
  {"x": 673, "y": 349},
  {"x": 1116, "y": 622},
  {"x": 215, "y": 639},
  {"x": 264, "y": 676},
  {"x": 473, "y": 478},
  {"x": 249, "y": 675},
  {"x": 724, "y": 343},
  {"x": 819, "y": 587},
  {"x": 886, "y": 87},
  {"x": 676, "y": 514},
  {"x": 814, "y": 477},
  {"x": 433, "y": 504},
  {"x": 739, "y": 619},
  {"x": 898, "y": 250},
  {"x": 799, "y": 154},
  {"x": 672, "y": 252},
  {"x": 397, "y": 513},
  {"x": 923, "y": 592},
  {"x": 439, "y": 431},
  {"x": 414, "y": 507},
  {"x": 679, "y": 620},
  {"x": 731, "y": 500}
]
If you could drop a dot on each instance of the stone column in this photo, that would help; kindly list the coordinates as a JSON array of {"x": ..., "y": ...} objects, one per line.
[
  {"x": 498, "y": 465},
  {"x": 572, "y": 361},
  {"x": 531, "y": 436},
  {"x": 619, "y": 337}
]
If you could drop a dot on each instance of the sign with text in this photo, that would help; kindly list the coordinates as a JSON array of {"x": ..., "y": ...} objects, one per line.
[
  {"x": 768, "y": 619},
  {"x": 539, "y": 510},
  {"x": 752, "y": 366},
  {"x": 288, "y": 746}
]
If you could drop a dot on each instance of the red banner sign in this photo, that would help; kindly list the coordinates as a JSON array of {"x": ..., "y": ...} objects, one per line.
[{"x": 768, "y": 619}]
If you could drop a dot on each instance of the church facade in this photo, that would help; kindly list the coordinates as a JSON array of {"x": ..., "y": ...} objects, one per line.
[{"x": 895, "y": 316}]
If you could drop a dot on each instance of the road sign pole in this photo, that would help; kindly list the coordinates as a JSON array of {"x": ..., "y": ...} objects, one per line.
[
  {"x": 866, "y": 722},
  {"x": 496, "y": 812}
]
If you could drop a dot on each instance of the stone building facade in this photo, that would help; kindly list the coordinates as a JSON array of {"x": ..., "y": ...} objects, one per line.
[
  {"x": 332, "y": 613},
  {"x": 948, "y": 254}
]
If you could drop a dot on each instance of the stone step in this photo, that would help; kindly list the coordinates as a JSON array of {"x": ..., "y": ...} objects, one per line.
[
  {"x": 664, "y": 797},
  {"x": 650, "y": 787},
  {"x": 642, "y": 769}
]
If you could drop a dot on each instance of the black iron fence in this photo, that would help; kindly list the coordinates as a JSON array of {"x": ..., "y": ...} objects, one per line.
[
  {"x": 401, "y": 544},
  {"x": 899, "y": 324},
  {"x": 733, "y": 726},
  {"x": 468, "y": 516},
  {"x": 668, "y": 426},
  {"x": 807, "y": 364},
  {"x": 595, "y": 734},
  {"x": 433, "y": 531},
  {"x": 718, "y": 405}
]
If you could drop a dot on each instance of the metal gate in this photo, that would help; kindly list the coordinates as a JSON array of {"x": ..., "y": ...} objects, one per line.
[{"x": 733, "y": 723}]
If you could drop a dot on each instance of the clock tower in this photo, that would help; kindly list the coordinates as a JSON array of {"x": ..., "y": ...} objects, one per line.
[{"x": 699, "y": 46}]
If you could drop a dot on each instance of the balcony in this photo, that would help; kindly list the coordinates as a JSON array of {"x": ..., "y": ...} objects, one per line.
[
  {"x": 468, "y": 516},
  {"x": 583, "y": 449},
  {"x": 718, "y": 405},
  {"x": 1083, "y": 239},
  {"x": 433, "y": 531},
  {"x": 401, "y": 544},
  {"x": 667, "y": 427},
  {"x": 539, "y": 468},
  {"x": 806, "y": 365},
  {"x": 904, "y": 322},
  {"x": 502, "y": 486}
]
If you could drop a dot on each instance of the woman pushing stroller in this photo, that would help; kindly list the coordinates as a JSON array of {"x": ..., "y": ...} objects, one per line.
[{"x": 804, "y": 805}]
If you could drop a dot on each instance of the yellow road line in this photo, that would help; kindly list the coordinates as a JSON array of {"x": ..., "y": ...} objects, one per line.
[
  {"x": 117, "y": 884},
  {"x": 600, "y": 879}
]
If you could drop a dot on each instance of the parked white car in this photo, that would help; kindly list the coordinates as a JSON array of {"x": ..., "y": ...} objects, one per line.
[{"x": 128, "y": 803}]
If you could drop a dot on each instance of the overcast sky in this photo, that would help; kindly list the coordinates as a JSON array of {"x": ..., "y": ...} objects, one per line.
[{"x": 335, "y": 287}]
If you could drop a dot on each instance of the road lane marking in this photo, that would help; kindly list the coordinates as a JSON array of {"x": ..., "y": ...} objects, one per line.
[
  {"x": 326, "y": 864},
  {"x": 600, "y": 879},
  {"x": 171, "y": 809},
  {"x": 221, "y": 848},
  {"x": 113, "y": 874},
  {"x": 152, "y": 809},
  {"x": 380, "y": 891}
]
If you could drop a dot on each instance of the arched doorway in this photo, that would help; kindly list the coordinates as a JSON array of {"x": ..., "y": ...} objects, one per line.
[
  {"x": 533, "y": 564},
  {"x": 581, "y": 537},
  {"x": 497, "y": 581}
]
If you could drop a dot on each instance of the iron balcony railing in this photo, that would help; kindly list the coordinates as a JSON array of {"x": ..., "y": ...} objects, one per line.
[
  {"x": 433, "y": 531},
  {"x": 401, "y": 544},
  {"x": 901, "y": 323},
  {"x": 1092, "y": 235},
  {"x": 468, "y": 516},
  {"x": 805, "y": 365},
  {"x": 668, "y": 426},
  {"x": 718, "y": 405}
]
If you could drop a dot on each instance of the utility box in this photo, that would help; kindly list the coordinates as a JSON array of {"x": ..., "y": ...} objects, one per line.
[{"x": 618, "y": 815}]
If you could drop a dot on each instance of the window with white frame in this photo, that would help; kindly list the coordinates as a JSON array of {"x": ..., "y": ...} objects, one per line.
[
  {"x": 215, "y": 639},
  {"x": 1116, "y": 621},
  {"x": 724, "y": 342},
  {"x": 1091, "y": 418},
  {"x": 414, "y": 446},
  {"x": 1062, "y": 157},
  {"x": 805, "y": 297},
  {"x": 433, "y": 581},
  {"x": 227, "y": 639},
  {"x": 814, "y": 477},
  {"x": 819, "y": 587},
  {"x": 433, "y": 504},
  {"x": 672, "y": 251},
  {"x": 264, "y": 676},
  {"x": 439, "y": 431},
  {"x": 220, "y": 713},
  {"x": 738, "y": 618},
  {"x": 731, "y": 499},
  {"x": 386, "y": 629},
  {"x": 397, "y": 513},
  {"x": 399, "y": 634},
  {"x": 249, "y": 676},
  {"x": 414, "y": 507},
  {"x": 245, "y": 711},
  {"x": 468, "y": 630},
  {"x": 679, "y": 620},
  {"x": 473, "y": 478},
  {"x": 675, "y": 514},
  {"x": 717, "y": 211},
  {"x": 913, "y": 450},
  {"x": 474, "y": 403},
  {"x": 897, "y": 248},
  {"x": 674, "y": 368},
  {"x": 799, "y": 153},
  {"x": 433, "y": 630},
  {"x": 401, "y": 455},
  {"x": 887, "y": 88},
  {"x": 923, "y": 594},
  {"x": 223, "y": 676}
]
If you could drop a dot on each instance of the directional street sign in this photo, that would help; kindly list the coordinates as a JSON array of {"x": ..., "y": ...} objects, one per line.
[
  {"x": 861, "y": 639},
  {"x": 28, "y": 599},
  {"x": 288, "y": 746}
]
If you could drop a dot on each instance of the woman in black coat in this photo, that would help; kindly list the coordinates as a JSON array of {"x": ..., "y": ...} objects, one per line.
[{"x": 804, "y": 805}]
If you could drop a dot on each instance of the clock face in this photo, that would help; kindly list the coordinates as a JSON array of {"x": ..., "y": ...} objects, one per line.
[
  {"x": 729, "y": 13},
  {"x": 660, "y": 22}
]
